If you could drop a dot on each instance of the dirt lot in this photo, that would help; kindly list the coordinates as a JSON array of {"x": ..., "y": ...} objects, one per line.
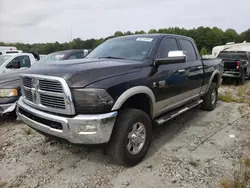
[{"x": 197, "y": 149}]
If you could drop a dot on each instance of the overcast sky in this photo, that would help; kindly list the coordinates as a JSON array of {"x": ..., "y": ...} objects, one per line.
[{"x": 32, "y": 21}]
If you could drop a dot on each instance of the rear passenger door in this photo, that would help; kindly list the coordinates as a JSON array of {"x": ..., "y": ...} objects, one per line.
[{"x": 193, "y": 67}]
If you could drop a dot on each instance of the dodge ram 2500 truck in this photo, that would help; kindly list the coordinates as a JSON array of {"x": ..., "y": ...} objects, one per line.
[{"x": 120, "y": 91}]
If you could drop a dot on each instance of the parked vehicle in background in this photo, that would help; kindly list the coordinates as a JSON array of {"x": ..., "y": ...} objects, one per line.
[
  {"x": 42, "y": 56},
  {"x": 8, "y": 50},
  {"x": 236, "y": 64},
  {"x": 244, "y": 46},
  {"x": 64, "y": 55},
  {"x": 10, "y": 83},
  {"x": 12, "y": 62},
  {"x": 115, "y": 94}
]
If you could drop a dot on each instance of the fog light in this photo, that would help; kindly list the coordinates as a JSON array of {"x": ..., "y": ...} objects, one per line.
[{"x": 85, "y": 129}]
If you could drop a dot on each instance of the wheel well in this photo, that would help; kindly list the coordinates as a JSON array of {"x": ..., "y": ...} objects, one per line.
[
  {"x": 138, "y": 101},
  {"x": 216, "y": 79}
]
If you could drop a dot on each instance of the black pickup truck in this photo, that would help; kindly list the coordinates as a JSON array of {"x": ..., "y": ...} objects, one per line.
[
  {"x": 236, "y": 64},
  {"x": 120, "y": 91}
]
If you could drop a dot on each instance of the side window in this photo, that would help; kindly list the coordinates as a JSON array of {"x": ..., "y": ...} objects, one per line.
[
  {"x": 23, "y": 60},
  {"x": 166, "y": 45},
  {"x": 188, "y": 47},
  {"x": 0, "y": 53},
  {"x": 77, "y": 56}
]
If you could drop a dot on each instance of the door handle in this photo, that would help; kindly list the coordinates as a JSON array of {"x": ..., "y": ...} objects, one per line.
[
  {"x": 181, "y": 70},
  {"x": 200, "y": 67}
]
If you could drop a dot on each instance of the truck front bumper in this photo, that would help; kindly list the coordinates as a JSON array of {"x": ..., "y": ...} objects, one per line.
[
  {"x": 7, "y": 108},
  {"x": 80, "y": 129}
]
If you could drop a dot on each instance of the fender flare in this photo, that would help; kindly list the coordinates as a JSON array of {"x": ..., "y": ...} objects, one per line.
[
  {"x": 215, "y": 73},
  {"x": 133, "y": 91}
]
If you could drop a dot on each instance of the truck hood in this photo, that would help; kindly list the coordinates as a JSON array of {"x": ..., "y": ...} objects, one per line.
[
  {"x": 82, "y": 72},
  {"x": 11, "y": 79}
]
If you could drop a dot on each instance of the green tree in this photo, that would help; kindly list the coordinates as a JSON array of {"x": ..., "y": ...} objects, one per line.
[
  {"x": 128, "y": 33},
  {"x": 203, "y": 51},
  {"x": 152, "y": 31},
  {"x": 204, "y": 37},
  {"x": 140, "y": 32},
  {"x": 118, "y": 34}
]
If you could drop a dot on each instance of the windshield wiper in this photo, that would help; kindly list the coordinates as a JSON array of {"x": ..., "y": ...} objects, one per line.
[{"x": 111, "y": 57}]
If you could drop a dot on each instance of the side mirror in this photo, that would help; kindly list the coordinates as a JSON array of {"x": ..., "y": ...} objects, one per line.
[
  {"x": 86, "y": 52},
  {"x": 15, "y": 64},
  {"x": 173, "y": 57}
]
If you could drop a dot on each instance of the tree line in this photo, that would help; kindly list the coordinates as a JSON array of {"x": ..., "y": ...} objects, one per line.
[{"x": 205, "y": 37}]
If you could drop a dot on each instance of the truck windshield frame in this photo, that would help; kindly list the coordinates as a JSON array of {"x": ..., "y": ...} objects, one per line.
[
  {"x": 129, "y": 48},
  {"x": 232, "y": 55}
]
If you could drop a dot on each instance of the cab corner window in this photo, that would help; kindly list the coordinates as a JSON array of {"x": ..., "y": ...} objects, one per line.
[{"x": 188, "y": 47}]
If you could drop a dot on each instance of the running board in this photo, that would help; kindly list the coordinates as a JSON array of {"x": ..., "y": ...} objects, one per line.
[{"x": 177, "y": 112}]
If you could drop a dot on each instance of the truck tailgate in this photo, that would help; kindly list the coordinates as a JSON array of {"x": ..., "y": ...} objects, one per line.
[{"x": 230, "y": 64}]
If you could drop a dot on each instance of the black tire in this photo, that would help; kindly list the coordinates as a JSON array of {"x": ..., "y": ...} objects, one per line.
[
  {"x": 208, "y": 103},
  {"x": 243, "y": 78},
  {"x": 117, "y": 147},
  {"x": 12, "y": 115}
]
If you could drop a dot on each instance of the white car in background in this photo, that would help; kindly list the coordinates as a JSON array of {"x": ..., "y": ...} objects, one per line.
[
  {"x": 14, "y": 61},
  {"x": 9, "y": 50}
]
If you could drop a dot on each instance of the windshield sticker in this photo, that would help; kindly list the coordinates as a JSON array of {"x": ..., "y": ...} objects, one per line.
[{"x": 145, "y": 39}]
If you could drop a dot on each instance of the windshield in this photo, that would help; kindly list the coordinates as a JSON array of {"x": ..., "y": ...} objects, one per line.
[
  {"x": 232, "y": 55},
  {"x": 56, "y": 56},
  {"x": 131, "y": 48},
  {"x": 3, "y": 59}
]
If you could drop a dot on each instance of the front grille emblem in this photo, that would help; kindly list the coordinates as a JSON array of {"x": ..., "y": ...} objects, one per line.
[{"x": 34, "y": 89}]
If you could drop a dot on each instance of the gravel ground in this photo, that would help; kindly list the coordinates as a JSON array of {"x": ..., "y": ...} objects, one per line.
[{"x": 197, "y": 149}]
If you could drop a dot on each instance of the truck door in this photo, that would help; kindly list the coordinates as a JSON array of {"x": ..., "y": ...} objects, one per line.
[
  {"x": 20, "y": 62},
  {"x": 177, "y": 83},
  {"x": 193, "y": 68},
  {"x": 170, "y": 81}
]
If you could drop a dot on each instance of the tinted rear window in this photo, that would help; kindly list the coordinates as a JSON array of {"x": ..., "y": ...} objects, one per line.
[
  {"x": 232, "y": 55},
  {"x": 11, "y": 52}
]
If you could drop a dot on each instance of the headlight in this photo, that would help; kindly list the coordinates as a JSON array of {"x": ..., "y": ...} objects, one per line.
[
  {"x": 8, "y": 92},
  {"x": 92, "y": 100}
]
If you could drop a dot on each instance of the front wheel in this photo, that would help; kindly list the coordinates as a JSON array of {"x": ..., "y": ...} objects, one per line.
[
  {"x": 131, "y": 137},
  {"x": 211, "y": 98}
]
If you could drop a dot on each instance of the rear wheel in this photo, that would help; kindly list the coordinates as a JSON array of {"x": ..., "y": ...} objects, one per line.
[
  {"x": 131, "y": 138},
  {"x": 211, "y": 98},
  {"x": 243, "y": 78}
]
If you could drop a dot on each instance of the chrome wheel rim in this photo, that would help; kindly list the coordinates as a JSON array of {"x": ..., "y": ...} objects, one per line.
[
  {"x": 136, "y": 138},
  {"x": 213, "y": 96}
]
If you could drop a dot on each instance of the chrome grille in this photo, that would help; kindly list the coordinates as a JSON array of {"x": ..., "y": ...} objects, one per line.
[
  {"x": 52, "y": 101},
  {"x": 28, "y": 95},
  {"x": 27, "y": 82},
  {"x": 50, "y": 86},
  {"x": 47, "y": 93}
]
